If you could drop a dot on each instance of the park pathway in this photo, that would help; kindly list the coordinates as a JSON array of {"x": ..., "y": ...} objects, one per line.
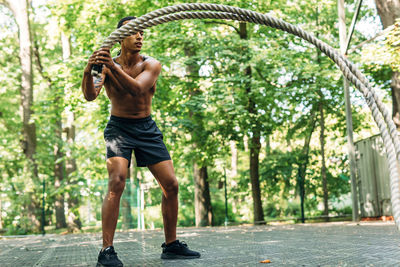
[{"x": 322, "y": 244}]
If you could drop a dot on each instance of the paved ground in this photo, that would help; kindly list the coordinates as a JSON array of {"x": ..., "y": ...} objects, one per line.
[{"x": 326, "y": 244}]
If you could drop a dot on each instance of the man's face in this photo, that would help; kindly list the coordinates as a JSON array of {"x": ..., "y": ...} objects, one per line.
[{"x": 133, "y": 42}]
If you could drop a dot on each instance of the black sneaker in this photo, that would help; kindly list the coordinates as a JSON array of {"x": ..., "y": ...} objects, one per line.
[
  {"x": 108, "y": 257},
  {"x": 178, "y": 250}
]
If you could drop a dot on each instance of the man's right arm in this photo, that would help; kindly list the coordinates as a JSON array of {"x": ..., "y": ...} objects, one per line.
[{"x": 91, "y": 86}]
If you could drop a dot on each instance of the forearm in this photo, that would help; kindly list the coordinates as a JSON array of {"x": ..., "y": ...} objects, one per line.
[
  {"x": 126, "y": 82},
  {"x": 89, "y": 91},
  {"x": 117, "y": 84}
]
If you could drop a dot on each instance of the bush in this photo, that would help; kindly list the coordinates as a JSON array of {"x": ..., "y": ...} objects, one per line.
[{"x": 218, "y": 208}]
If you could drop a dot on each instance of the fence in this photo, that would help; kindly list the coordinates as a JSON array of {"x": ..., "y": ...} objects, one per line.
[
  {"x": 137, "y": 209},
  {"x": 373, "y": 178}
]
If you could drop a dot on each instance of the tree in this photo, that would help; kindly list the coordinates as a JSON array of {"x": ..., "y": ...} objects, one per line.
[
  {"x": 73, "y": 221},
  {"x": 222, "y": 83},
  {"x": 255, "y": 144},
  {"x": 321, "y": 105},
  {"x": 202, "y": 199},
  {"x": 20, "y": 10},
  {"x": 389, "y": 11}
]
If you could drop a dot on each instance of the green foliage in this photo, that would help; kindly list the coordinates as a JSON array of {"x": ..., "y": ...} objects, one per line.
[
  {"x": 201, "y": 105},
  {"x": 384, "y": 53}
]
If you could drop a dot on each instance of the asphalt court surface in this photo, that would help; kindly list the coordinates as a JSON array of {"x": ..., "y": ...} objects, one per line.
[{"x": 321, "y": 244}]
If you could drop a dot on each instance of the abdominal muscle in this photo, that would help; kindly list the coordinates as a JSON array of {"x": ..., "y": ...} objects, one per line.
[{"x": 127, "y": 106}]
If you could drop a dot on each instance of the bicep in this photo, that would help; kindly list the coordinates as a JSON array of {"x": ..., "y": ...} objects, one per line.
[{"x": 149, "y": 76}]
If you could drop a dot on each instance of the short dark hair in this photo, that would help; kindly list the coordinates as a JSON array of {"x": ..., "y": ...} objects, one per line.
[{"x": 121, "y": 22}]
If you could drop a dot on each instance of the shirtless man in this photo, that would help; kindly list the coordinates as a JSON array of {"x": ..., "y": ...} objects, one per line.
[{"x": 130, "y": 82}]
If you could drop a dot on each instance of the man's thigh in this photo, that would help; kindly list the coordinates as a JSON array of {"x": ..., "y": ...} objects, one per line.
[
  {"x": 117, "y": 166},
  {"x": 164, "y": 173}
]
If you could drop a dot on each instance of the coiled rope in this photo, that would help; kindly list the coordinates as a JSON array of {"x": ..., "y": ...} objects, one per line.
[{"x": 379, "y": 112}]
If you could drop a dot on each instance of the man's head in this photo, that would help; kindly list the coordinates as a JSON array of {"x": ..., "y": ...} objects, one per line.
[
  {"x": 121, "y": 22},
  {"x": 133, "y": 42}
]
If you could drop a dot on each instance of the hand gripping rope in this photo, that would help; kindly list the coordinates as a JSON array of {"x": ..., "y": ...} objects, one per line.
[{"x": 207, "y": 11}]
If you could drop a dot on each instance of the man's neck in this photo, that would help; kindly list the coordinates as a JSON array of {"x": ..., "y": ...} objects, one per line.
[{"x": 129, "y": 58}]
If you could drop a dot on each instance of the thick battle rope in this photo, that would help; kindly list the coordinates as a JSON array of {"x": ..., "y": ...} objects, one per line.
[{"x": 379, "y": 112}]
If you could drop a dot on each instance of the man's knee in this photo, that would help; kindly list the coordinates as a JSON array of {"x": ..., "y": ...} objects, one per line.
[
  {"x": 171, "y": 187},
  {"x": 116, "y": 183}
]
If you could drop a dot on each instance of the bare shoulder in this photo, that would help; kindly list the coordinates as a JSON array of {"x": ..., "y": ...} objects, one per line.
[{"x": 152, "y": 63}]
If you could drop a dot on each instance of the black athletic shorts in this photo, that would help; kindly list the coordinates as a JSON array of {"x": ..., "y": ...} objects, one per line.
[{"x": 142, "y": 135}]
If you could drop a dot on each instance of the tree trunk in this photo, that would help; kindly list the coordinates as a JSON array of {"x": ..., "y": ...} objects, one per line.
[
  {"x": 74, "y": 223},
  {"x": 59, "y": 171},
  {"x": 246, "y": 143},
  {"x": 268, "y": 146},
  {"x": 323, "y": 168},
  {"x": 202, "y": 199},
  {"x": 203, "y": 209},
  {"x": 33, "y": 213},
  {"x": 59, "y": 155},
  {"x": 234, "y": 158},
  {"x": 395, "y": 88},
  {"x": 389, "y": 11},
  {"x": 255, "y": 180},
  {"x": 303, "y": 162},
  {"x": 20, "y": 10},
  {"x": 255, "y": 144},
  {"x": 322, "y": 133}
]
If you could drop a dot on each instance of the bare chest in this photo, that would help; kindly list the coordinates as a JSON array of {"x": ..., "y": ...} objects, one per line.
[{"x": 132, "y": 71}]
